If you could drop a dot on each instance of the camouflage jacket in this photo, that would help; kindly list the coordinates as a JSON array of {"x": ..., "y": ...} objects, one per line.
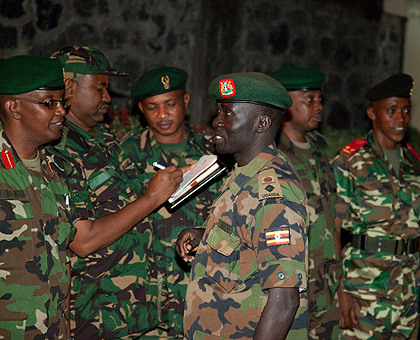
[
  {"x": 372, "y": 199},
  {"x": 255, "y": 240},
  {"x": 34, "y": 234},
  {"x": 143, "y": 149},
  {"x": 319, "y": 182},
  {"x": 112, "y": 294}
]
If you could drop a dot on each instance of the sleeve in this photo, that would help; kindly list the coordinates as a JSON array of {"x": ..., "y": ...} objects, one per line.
[
  {"x": 281, "y": 245},
  {"x": 345, "y": 186}
]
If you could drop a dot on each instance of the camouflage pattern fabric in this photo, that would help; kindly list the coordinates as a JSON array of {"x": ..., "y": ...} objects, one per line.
[
  {"x": 374, "y": 201},
  {"x": 173, "y": 272},
  {"x": 112, "y": 294},
  {"x": 315, "y": 170},
  {"x": 34, "y": 234},
  {"x": 255, "y": 240}
]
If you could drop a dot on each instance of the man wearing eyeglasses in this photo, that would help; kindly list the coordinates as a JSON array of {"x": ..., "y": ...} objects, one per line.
[
  {"x": 34, "y": 217},
  {"x": 113, "y": 295}
]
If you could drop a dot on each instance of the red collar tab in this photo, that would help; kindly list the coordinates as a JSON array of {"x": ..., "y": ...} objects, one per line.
[
  {"x": 413, "y": 151},
  {"x": 8, "y": 160}
]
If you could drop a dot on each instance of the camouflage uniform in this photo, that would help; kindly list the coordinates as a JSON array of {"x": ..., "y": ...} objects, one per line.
[
  {"x": 255, "y": 240},
  {"x": 167, "y": 224},
  {"x": 374, "y": 201},
  {"x": 315, "y": 170},
  {"x": 34, "y": 234},
  {"x": 112, "y": 294}
]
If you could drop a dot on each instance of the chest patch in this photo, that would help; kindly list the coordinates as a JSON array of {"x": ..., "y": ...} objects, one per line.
[
  {"x": 225, "y": 227},
  {"x": 268, "y": 185}
]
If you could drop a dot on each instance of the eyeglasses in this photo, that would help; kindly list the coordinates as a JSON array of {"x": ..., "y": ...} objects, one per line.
[{"x": 51, "y": 104}]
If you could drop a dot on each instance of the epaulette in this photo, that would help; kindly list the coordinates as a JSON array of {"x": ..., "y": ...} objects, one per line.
[
  {"x": 353, "y": 146},
  {"x": 413, "y": 151}
]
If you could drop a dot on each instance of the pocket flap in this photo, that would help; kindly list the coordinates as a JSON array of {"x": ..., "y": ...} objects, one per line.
[{"x": 222, "y": 242}]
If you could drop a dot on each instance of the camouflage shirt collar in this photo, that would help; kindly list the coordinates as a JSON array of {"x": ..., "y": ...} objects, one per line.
[
  {"x": 149, "y": 141},
  {"x": 247, "y": 172}
]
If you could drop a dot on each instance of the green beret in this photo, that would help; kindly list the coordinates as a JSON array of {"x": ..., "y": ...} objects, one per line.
[
  {"x": 81, "y": 60},
  {"x": 398, "y": 85},
  {"x": 295, "y": 78},
  {"x": 157, "y": 81},
  {"x": 26, "y": 73},
  {"x": 252, "y": 87}
]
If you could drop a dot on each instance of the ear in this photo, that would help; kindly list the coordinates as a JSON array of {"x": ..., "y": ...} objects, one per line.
[
  {"x": 371, "y": 113},
  {"x": 264, "y": 123},
  {"x": 12, "y": 110},
  {"x": 70, "y": 87},
  {"x": 140, "y": 105},
  {"x": 186, "y": 99}
]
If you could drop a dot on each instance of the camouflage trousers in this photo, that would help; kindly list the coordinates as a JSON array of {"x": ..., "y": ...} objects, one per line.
[
  {"x": 385, "y": 293},
  {"x": 172, "y": 278},
  {"x": 324, "y": 277}
]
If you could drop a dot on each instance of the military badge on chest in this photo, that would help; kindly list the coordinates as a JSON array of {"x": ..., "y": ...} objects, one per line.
[{"x": 268, "y": 184}]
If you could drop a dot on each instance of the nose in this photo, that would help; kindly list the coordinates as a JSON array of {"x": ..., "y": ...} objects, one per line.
[
  {"x": 60, "y": 111},
  {"x": 217, "y": 121},
  {"x": 399, "y": 116},
  {"x": 318, "y": 105},
  {"x": 106, "y": 96},
  {"x": 161, "y": 112}
]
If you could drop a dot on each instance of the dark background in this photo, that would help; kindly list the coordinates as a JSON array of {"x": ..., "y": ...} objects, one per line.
[{"x": 353, "y": 42}]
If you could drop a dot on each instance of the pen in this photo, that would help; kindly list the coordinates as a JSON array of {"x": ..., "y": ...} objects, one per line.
[{"x": 159, "y": 166}]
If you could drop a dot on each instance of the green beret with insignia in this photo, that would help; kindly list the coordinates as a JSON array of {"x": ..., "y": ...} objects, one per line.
[
  {"x": 157, "y": 81},
  {"x": 26, "y": 73},
  {"x": 296, "y": 78},
  {"x": 253, "y": 87},
  {"x": 398, "y": 85},
  {"x": 82, "y": 60}
]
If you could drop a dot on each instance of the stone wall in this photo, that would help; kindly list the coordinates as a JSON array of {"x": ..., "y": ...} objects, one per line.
[{"x": 352, "y": 41}]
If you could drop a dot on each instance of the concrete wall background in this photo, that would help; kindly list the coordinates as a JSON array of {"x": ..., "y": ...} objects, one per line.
[{"x": 353, "y": 42}]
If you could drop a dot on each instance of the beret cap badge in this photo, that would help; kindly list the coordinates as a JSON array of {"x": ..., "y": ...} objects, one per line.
[
  {"x": 227, "y": 87},
  {"x": 166, "y": 82}
]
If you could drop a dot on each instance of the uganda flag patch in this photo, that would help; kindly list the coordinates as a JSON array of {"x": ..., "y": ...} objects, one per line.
[{"x": 277, "y": 237}]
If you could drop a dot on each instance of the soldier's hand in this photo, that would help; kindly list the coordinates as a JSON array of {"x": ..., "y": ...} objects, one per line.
[
  {"x": 165, "y": 182},
  {"x": 187, "y": 243},
  {"x": 348, "y": 317}
]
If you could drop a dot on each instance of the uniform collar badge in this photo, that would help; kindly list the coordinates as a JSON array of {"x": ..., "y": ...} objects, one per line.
[
  {"x": 227, "y": 87},
  {"x": 7, "y": 158},
  {"x": 166, "y": 82}
]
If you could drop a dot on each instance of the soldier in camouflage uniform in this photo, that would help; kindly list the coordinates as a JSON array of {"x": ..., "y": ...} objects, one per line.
[
  {"x": 378, "y": 189},
  {"x": 308, "y": 151},
  {"x": 113, "y": 295},
  {"x": 249, "y": 275},
  {"x": 34, "y": 228},
  {"x": 168, "y": 140}
]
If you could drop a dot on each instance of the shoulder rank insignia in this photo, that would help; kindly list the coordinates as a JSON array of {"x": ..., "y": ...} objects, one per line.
[
  {"x": 355, "y": 145},
  {"x": 268, "y": 184},
  {"x": 8, "y": 160},
  {"x": 413, "y": 151}
]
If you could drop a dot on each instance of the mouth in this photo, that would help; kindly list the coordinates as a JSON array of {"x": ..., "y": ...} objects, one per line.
[
  {"x": 400, "y": 129},
  {"x": 164, "y": 124},
  {"x": 58, "y": 125},
  {"x": 317, "y": 118},
  {"x": 218, "y": 138}
]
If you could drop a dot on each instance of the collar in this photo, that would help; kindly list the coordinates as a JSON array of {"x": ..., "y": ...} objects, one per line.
[{"x": 245, "y": 173}]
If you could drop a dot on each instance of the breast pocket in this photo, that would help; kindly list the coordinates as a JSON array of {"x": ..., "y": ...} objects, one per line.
[
  {"x": 375, "y": 193},
  {"x": 224, "y": 265}
]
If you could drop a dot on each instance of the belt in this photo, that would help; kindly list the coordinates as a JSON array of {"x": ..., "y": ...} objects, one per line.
[{"x": 385, "y": 245}]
